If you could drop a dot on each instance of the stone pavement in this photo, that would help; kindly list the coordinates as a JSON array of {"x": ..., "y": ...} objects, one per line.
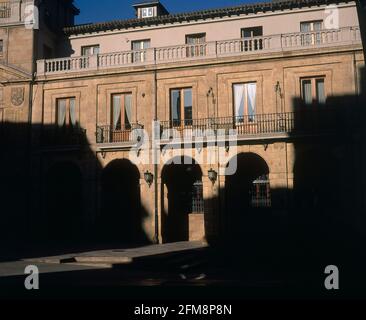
[{"x": 119, "y": 256}]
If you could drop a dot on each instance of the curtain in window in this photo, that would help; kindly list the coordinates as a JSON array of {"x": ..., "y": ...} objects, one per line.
[
  {"x": 116, "y": 112},
  {"x": 61, "y": 112},
  {"x": 188, "y": 112},
  {"x": 307, "y": 95},
  {"x": 320, "y": 91},
  {"x": 252, "y": 96},
  {"x": 239, "y": 101},
  {"x": 175, "y": 107},
  {"x": 72, "y": 112},
  {"x": 128, "y": 109}
]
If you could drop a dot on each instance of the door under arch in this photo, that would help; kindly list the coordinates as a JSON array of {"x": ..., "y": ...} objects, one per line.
[{"x": 182, "y": 202}]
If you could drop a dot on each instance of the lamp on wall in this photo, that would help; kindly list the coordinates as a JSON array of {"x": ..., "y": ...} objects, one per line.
[
  {"x": 149, "y": 178},
  {"x": 212, "y": 175}
]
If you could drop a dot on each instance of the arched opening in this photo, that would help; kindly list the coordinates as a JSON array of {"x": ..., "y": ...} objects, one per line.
[
  {"x": 248, "y": 197},
  {"x": 182, "y": 201},
  {"x": 121, "y": 217},
  {"x": 64, "y": 215}
]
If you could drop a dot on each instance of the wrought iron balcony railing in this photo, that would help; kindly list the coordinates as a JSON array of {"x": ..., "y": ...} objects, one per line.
[
  {"x": 303, "y": 121},
  {"x": 127, "y": 133},
  {"x": 67, "y": 136}
]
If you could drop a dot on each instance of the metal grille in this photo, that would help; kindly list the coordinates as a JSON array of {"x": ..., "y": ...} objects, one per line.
[
  {"x": 261, "y": 193},
  {"x": 198, "y": 205}
]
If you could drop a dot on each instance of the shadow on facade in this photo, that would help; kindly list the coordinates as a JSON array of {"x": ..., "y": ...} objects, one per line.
[
  {"x": 288, "y": 234},
  {"x": 179, "y": 180},
  {"x": 49, "y": 195}
]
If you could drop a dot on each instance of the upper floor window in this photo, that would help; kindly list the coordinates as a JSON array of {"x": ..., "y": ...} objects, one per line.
[
  {"x": 121, "y": 111},
  {"x": 312, "y": 36},
  {"x": 252, "y": 32},
  {"x": 90, "y": 50},
  {"x": 1, "y": 46},
  {"x": 147, "y": 12},
  {"x": 196, "y": 44},
  {"x": 313, "y": 90},
  {"x": 250, "y": 44},
  {"x": 245, "y": 101},
  {"x": 66, "y": 113},
  {"x": 181, "y": 111},
  {"x": 140, "y": 45}
]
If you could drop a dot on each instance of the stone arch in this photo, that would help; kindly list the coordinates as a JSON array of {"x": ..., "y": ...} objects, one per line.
[
  {"x": 182, "y": 202},
  {"x": 121, "y": 217}
]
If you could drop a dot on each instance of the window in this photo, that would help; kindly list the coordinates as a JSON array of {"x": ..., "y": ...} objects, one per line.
[
  {"x": 140, "y": 46},
  {"x": 260, "y": 193},
  {"x": 250, "y": 44},
  {"x": 181, "y": 107},
  {"x": 90, "y": 50},
  {"x": 252, "y": 32},
  {"x": 196, "y": 45},
  {"x": 245, "y": 100},
  {"x": 198, "y": 204},
  {"x": 121, "y": 111},
  {"x": 66, "y": 113},
  {"x": 1, "y": 46},
  {"x": 313, "y": 90},
  {"x": 312, "y": 36},
  {"x": 147, "y": 12}
]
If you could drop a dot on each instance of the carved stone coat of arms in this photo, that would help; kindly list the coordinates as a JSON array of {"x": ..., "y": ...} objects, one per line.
[{"x": 17, "y": 96}]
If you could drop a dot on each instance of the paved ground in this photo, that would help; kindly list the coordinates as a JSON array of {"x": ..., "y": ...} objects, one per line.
[{"x": 164, "y": 270}]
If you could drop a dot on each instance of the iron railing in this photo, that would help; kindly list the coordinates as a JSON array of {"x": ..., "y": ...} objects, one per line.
[
  {"x": 302, "y": 121},
  {"x": 127, "y": 133}
]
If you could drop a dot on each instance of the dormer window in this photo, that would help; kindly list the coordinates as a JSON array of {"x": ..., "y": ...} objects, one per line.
[
  {"x": 147, "y": 12},
  {"x": 149, "y": 8}
]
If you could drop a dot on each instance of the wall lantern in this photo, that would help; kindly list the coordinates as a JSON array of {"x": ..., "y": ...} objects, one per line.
[
  {"x": 149, "y": 178},
  {"x": 212, "y": 175}
]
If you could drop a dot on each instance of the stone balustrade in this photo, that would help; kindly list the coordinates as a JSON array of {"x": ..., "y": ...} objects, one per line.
[{"x": 216, "y": 49}]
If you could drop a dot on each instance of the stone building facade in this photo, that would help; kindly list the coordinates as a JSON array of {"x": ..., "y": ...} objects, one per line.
[{"x": 282, "y": 77}]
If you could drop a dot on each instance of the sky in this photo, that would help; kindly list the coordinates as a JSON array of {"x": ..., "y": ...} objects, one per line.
[{"x": 99, "y": 11}]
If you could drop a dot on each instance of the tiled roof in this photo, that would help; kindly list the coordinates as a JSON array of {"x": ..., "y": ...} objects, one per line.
[{"x": 197, "y": 15}]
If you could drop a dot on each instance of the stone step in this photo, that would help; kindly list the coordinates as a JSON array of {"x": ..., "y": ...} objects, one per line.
[{"x": 109, "y": 260}]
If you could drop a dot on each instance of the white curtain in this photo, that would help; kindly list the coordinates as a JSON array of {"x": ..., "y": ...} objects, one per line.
[
  {"x": 116, "y": 110},
  {"x": 72, "y": 112},
  {"x": 128, "y": 108},
  {"x": 61, "y": 112},
  {"x": 239, "y": 100},
  {"x": 307, "y": 95},
  {"x": 252, "y": 99},
  {"x": 320, "y": 91}
]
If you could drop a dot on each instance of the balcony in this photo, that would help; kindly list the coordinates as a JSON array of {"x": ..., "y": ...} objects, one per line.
[
  {"x": 129, "y": 134},
  {"x": 286, "y": 124},
  {"x": 5, "y": 10},
  {"x": 209, "y": 50},
  {"x": 62, "y": 137}
]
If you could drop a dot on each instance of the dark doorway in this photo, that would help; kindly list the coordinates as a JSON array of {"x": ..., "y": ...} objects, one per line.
[
  {"x": 121, "y": 218},
  {"x": 64, "y": 198},
  {"x": 184, "y": 194},
  {"x": 248, "y": 199}
]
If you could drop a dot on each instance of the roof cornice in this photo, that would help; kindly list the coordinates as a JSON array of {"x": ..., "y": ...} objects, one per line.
[{"x": 198, "y": 15}]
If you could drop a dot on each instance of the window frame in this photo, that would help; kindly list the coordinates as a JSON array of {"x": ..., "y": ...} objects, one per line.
[
  {"x": 124, "y": 125},
  {"x": 246, "y": 116},
  {"x": 314, "y": 90},
  {"x": 196, "y": 49},
  {"x": 83, "y": 48},
  {"x": 182, "y": 121},
  {"x": 68, "y": 121}
]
